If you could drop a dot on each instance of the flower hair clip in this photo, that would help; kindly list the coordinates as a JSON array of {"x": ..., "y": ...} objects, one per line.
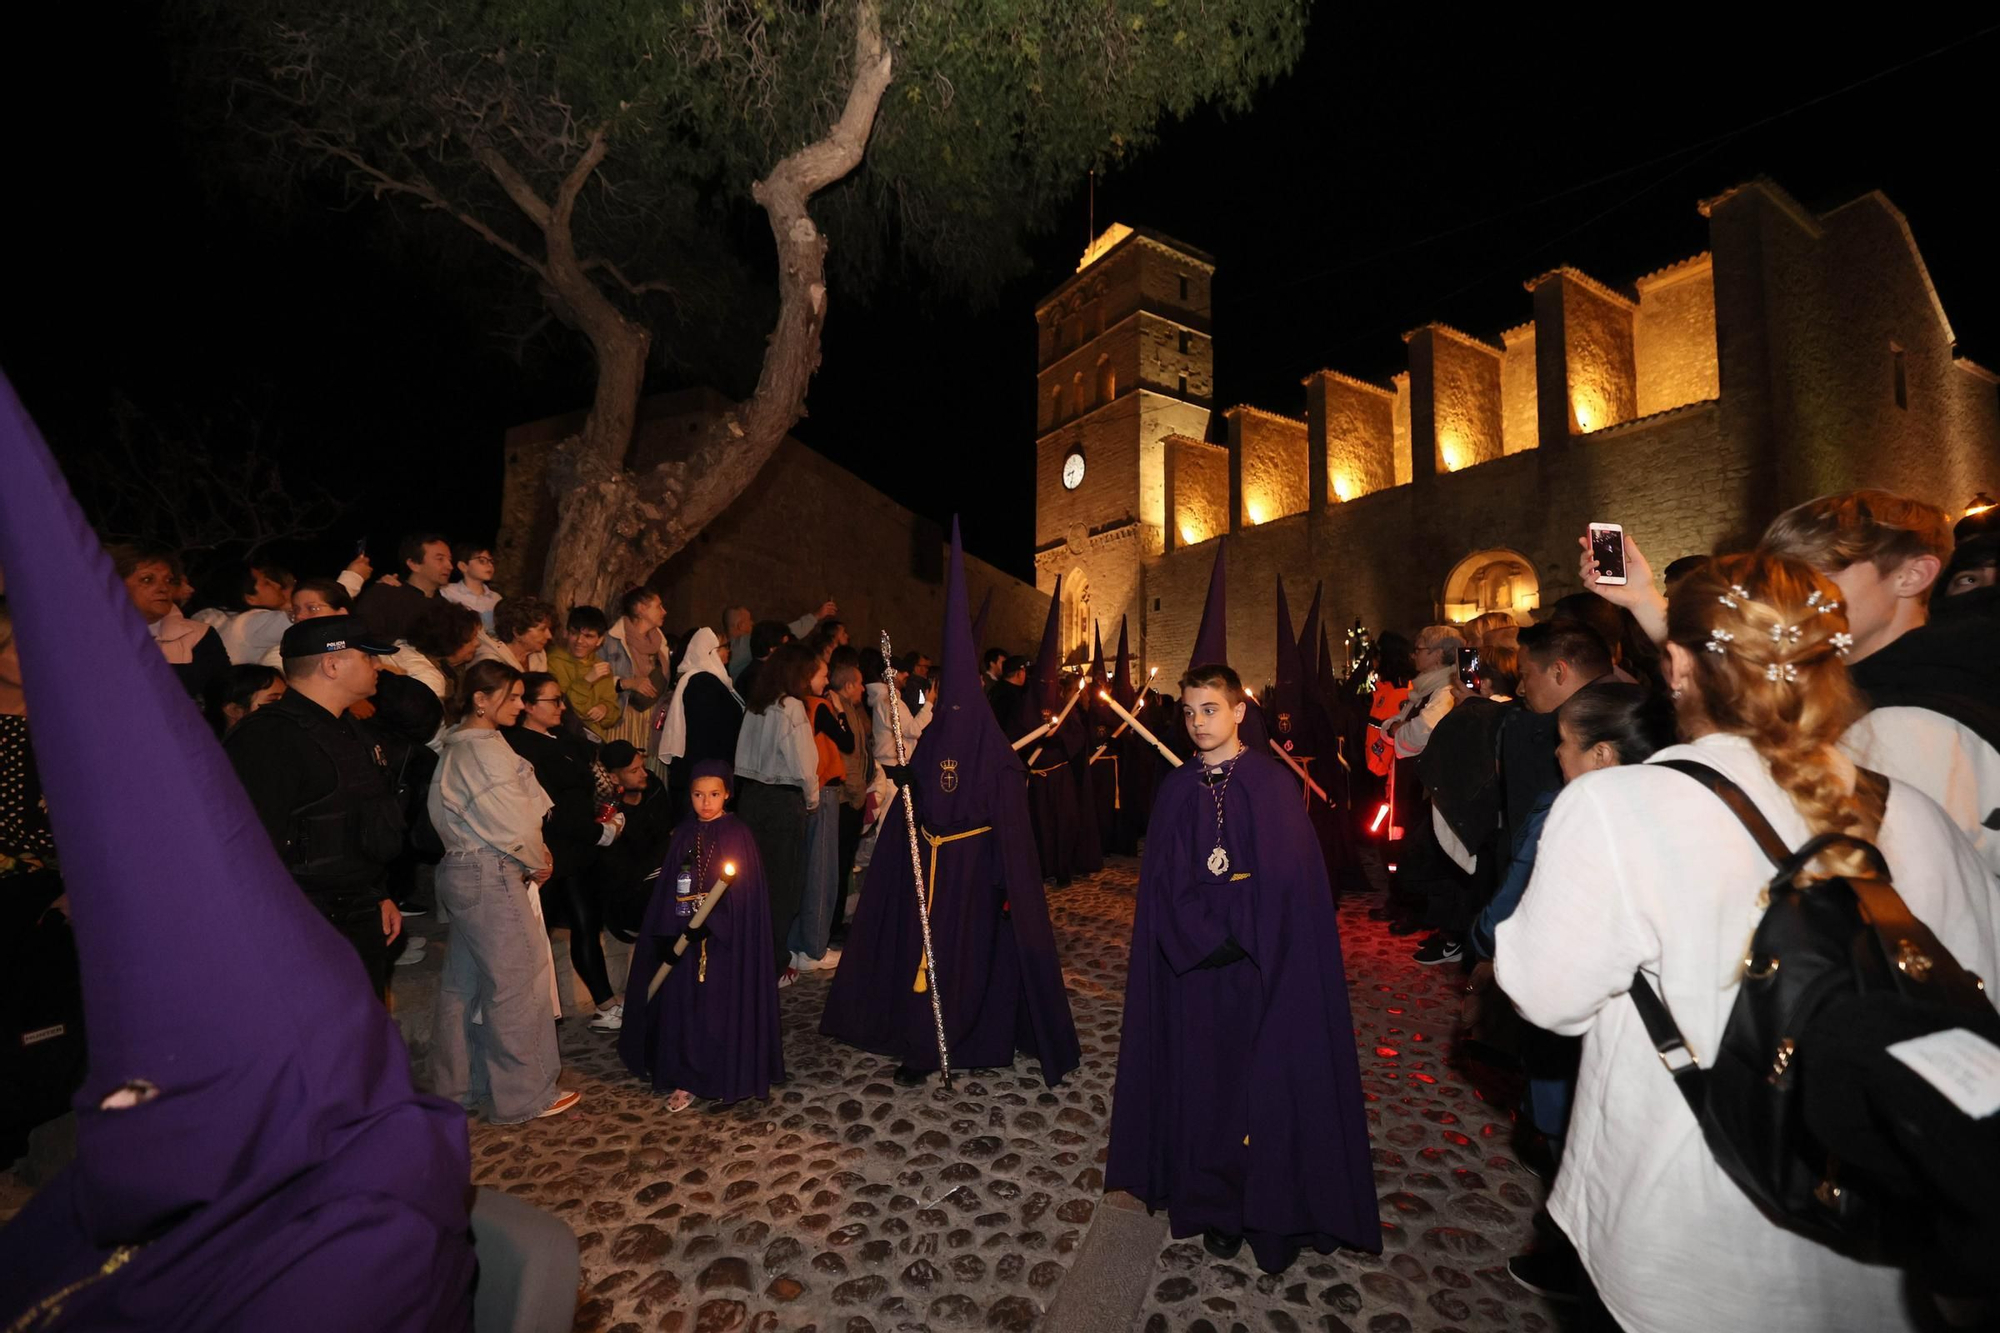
[
  {"x": 1841, "y": 643},
  {"x": 1820, "y": 602},
  {"x": 1782, "y": 671},
  {"x": 1719, "y": 639},
  {"x": 1779, "y": 632}
]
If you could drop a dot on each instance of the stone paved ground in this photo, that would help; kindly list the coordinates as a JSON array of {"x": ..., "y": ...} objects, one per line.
[{"x": 847, "y": 1204}]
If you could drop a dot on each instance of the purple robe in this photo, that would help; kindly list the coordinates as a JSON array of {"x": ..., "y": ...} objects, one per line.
[
  {"x": 1061, "y": 810},
  {"x": 713, "y": 1028},
  {"x": 1238, "y": 1104},
  {"x": 275, "y": 1168},
  {"x": 1000, "y": 984}
]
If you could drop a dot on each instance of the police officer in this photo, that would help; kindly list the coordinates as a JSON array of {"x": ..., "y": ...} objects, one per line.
[{"x": 321, "y": 784}]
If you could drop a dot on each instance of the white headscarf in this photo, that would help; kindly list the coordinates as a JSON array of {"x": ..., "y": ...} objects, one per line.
[{"x": 703, "y": 655}]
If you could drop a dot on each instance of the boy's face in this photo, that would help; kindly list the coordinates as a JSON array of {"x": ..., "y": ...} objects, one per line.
[
  {"x": 479, "y": 569},
  {"x": 583, "y": 644},
  {"x": 1211, "y": 718},
  {"x": 708, "y": 796}
]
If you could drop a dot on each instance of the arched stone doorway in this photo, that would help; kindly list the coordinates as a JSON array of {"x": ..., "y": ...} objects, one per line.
[{"x": 1492, "y": 580}]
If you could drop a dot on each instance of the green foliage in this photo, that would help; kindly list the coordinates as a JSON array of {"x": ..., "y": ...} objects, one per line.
[{"x": 997, "y": 109}]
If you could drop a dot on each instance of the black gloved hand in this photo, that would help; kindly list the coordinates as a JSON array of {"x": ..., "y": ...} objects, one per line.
[
  {"x": 898, "y": 774},
  {"x": 1227, "y": 952}
]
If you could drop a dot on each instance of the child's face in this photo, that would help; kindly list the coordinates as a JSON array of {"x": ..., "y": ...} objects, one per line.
[
  {"x": 708, "y": 796},
  {"x": 583, "y": 643},
  {"x": 1211, "y": 718}
]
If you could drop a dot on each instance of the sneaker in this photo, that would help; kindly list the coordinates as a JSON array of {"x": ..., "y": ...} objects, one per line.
[
  {"x": 413, "y": 951},
  {"x": 828, "y": 960},
  {"x": 562, "y": 1103},
  {"x": 413, "y": 909},
  {"x": 1442, "y": 949},
  {"x": 787, "y": 977},
  {"x": 1220, "y": 1245},
  {"x": 1546, "y": 1273},
  {"x": 608, "y": 1019}
]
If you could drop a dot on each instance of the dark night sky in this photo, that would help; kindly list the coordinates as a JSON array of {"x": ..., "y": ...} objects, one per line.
[{"x": 1407, "y": 170}]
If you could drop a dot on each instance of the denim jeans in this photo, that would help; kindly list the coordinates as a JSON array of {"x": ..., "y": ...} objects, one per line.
[
  {"x": 496, "y": 967},
  {"x": 815, "y": 920}
]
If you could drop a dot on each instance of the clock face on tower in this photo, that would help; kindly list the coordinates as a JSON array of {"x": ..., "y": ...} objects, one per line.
[{"x": 1072, "y": 473}]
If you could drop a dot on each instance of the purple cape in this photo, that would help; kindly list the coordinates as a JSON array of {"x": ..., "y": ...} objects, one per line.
[
  {"x": 1238, "y": 1103},
  {"x": 1000, "y": 984},
  {"x": 278, "y": 1169},
  {"x": 713, "y": 1028},
  {"x": 1061, "y": 807}
]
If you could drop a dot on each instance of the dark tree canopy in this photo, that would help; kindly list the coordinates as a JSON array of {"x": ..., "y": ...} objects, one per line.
[{"x": 620, "y": 155}]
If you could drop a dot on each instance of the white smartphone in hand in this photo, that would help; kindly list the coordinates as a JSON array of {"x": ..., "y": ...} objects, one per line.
[{"x": 1607, "y": 550}]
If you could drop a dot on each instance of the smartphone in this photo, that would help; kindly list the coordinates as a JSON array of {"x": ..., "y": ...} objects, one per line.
[
  {"x": 1607, "y": 548},
  {"x": 360, "y": 547},
  {"x": 1468, "y": 668}
]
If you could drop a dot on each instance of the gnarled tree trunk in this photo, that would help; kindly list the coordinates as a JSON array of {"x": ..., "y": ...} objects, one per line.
[{"x": 615, "y": 526}]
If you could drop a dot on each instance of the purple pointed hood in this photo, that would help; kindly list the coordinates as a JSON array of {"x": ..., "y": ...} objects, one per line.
[
  {"x": 1285, "y": 708},
  {"x": 1308, "y": 640},
  {"x": 1122, "y": 688},
  {"x": 979, "y": 620},
  {"x": 1045, "y": 676},
  {"x": 1211, "y": 641},
  {"x": 271, "y": 1087},
  {"x": 963, "y": 755}
]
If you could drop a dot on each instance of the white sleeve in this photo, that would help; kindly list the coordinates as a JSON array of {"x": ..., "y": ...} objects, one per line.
[
  {"x": 804, "y": 625},
  {"x": 804, "y": 751},
  {"x": 1575, "y": 940},
  {"x": 349, "y": 580}
]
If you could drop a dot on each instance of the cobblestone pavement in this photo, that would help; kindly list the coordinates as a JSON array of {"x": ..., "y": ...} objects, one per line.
[{"x": 847, "y": 1204}]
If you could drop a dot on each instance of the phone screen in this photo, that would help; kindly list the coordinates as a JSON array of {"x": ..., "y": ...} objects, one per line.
[
  {"x": 1468, "y": 667},
  {"x": 1607, "y": 548}
]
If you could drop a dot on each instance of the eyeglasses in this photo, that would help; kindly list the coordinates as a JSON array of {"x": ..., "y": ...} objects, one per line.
[{"x": 555, "y": 699}]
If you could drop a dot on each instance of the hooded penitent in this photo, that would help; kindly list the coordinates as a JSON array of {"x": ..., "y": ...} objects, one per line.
[
  {"x": 713, "y": 1027},
  {"x": 999, "y": 979},
  {"x": 250, "y": 1151},
  {"x": 1137, "y": 758},
  {"x": 1059, "y": 803},
  {"x": 1116, "y": 832},
  {"x": 1309, "y": 638},
  {"x": 1301, "y": 726}
]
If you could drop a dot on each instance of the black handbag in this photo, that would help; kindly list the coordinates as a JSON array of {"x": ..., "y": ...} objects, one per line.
[{"x": 1841, "y": 962}]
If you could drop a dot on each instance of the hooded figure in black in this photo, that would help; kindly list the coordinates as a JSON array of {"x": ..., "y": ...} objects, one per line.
[
  {"x": 1065, "y": 824},
  {"x": 1300, "y": 728},
  {"x": 1117, "y": 831},
  {"x": 999, "y": 980}
]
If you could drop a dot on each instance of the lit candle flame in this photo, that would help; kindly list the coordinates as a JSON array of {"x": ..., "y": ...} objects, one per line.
[{"x": 728, "y": 867}]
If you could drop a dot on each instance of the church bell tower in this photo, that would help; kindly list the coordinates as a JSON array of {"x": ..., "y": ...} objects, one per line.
[{"x": 1124, "y": 359}]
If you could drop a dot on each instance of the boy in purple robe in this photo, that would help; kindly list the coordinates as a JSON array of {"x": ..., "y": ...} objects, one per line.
[
  {"x": 1238, "y": 1103},
  {"x": 251, "y": 1153},
  {"x": 999, "y": 980},
  {"x": 712, "y": 1030}
]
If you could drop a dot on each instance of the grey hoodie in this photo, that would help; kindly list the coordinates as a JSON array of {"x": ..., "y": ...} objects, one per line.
[{"x": 485, "y": 797}]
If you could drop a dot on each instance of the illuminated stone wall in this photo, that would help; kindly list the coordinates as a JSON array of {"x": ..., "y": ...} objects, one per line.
[
  {"x": 1355, "y": 422},
  {"x": 1454, "y": 399},
  {"x": 1594, "y": 325},
  {"x": 1269, "y": 458},
  {"x": 1518, "y": 425},
  {"x": 1197, "y": 489},
  {"x": 1673, "y": 336}
]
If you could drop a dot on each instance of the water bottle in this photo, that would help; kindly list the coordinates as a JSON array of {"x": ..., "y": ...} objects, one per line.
[{"x": 684, "y": 889}]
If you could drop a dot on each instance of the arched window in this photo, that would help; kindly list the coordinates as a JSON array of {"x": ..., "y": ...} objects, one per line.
[
  {"x": 1076, "y": 616},
  {"x": 1107, "y": 380}
]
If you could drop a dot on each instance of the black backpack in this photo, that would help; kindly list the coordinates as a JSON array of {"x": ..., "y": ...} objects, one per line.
[{"x": 1803, "y": 1106}]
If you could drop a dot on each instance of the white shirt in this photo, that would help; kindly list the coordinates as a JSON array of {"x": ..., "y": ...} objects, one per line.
[
  {"x": 776, "y": 747},
  {"x": 884, "y": 739},
  {"x": 1643, "y": 867},
  {"x": 1945, "y": 760},
  {"x": 481, "y": 602}
]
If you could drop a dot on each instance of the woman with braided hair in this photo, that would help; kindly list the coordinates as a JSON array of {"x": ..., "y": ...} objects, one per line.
[{"x": 1641, "y": 868}]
